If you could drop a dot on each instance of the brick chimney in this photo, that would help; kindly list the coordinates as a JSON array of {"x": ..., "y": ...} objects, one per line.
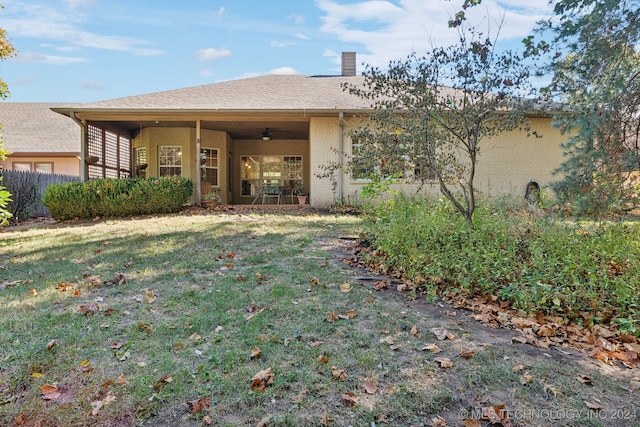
[{"x": 348, "y": 63}]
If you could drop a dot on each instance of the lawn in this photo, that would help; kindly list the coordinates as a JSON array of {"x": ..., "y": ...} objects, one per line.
[{"x": 249, "y": 318}]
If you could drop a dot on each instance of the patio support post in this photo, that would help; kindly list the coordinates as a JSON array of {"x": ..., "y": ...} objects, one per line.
[
  {"x": 198, "y": 169},
  {"x": 84, "y": 148},
  {"x": 340, "y": 155}
]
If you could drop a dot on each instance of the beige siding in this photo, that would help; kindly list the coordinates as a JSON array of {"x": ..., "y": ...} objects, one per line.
[
  {"x": 324, "y": 138},
  {"x": 61, "y": 165},
  {"x": 505, "y": 165}
]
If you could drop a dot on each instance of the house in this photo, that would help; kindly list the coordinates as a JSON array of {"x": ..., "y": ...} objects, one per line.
[
  {"x": 38, "y": 139},
  {"x": 240, "y": 137}
]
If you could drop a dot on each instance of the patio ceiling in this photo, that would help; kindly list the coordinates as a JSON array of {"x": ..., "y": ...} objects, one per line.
[{"x": 237, "y": 129}]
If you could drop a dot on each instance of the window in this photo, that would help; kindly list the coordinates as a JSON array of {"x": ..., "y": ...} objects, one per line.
[
  {"x": 170, "y": 160},
  {"x": 361, "y": 164},
  {"x": 45, "y": 167},
  {"x": 256, "y": 171},
  {"x": 208, "y": 169},
  {"x": 22, "y": 166},
  {"x": 140, "y": 161}
]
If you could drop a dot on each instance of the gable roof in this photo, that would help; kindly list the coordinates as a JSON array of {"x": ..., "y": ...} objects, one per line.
[
  {"x": 264, "y": 93},
  {"x": 33, "y": 128}
]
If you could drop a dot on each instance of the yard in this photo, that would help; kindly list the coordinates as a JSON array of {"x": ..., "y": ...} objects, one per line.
[{"x": 255, "y": 318}]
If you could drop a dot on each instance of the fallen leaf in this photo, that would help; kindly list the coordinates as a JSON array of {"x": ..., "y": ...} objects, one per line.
[
  {"x": 36, "y": 374},
  {"x": 262, "y": 379},
  {"x": 99, "y": 404},
  {"x": 526, "y": 378},
  {"x": 517, "y": 368},
  {"x": 121, "y": 379},
  {"x": 52, "y": 344},
  {"x": 116, "y": 345},
  {"x": 635, "y": 383},
  {"x": 349, "y": 399},
  {"x": 333, "y": 316},
  {"x": 466, "y": 353},
  {"x": 149, "y": 296},
  {"x": 552, "y": 389},
  {"x": 471, "y": 422},
  {"x": 314, "y": 344},
  {"x": 444, "y": 362},
  {"x": 91, "y": 281},
  {"x": 383, "y": 284},
  {"x": 442, "y": 334},
  {"x": 497, "y": 414},
  {"x": 438, "y": 422},
  {"x": 117, "y": 280},
  {"x": 345, "y": 287},
  {"x": 264, "y": 421},
  {"x": 195, "y": 337},
  {"x": 255, "y": 353},
  {"x": 323, "y": 359},
  {"x": 338, "y": 374},
  {"x": 50, "y": 392},
  {"x": 197, "y": 406},
  {"x": 414, "y": 330},
  {"x": 349, "y": 314},
  {"x": 431, "y": 348},
  {"x": 387, "y": 340},
  {"x": 369, "y": 387},
  {"x": 89, "y": 309},
  {"x": 162, "y": 381}
]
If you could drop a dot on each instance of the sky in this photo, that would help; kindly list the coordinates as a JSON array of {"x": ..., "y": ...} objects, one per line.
[{"x": 72, "y": 51}]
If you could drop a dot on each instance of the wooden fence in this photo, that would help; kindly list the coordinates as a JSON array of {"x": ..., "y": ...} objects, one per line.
[{"x": 26, "y": 190}]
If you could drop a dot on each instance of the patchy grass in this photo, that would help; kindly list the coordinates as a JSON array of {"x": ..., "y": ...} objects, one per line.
[{"x": 203, "y": 293}]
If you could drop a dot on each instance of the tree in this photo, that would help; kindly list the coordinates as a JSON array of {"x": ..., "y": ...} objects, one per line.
[
  {"x": 431, "y": 112},
  {"x": 596, "y": 72},
  {"x": 6, "y": 50}
]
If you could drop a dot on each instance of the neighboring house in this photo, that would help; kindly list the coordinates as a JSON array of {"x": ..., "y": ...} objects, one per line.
[
  {"x": 38, "y": 139},
  {"x": 238, "y": 137}
]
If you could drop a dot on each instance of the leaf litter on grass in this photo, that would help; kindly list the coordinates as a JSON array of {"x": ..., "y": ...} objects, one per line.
[{"x": 397, "y": 381}]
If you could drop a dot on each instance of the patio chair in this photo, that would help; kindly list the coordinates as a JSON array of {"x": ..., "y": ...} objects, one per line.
[{"x": 271, "y": 191}]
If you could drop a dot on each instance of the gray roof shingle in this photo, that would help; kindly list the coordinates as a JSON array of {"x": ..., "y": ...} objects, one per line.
[{"x": 32, "y": 127}]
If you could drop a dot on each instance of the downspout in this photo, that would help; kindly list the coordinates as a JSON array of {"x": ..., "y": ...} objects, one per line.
[
  {"x": 340, "y": 156},
  {"x": 198, "y": 168},
  {"x": 84, "y": 169}
]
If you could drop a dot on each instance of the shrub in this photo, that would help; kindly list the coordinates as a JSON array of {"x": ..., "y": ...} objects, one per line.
[
  {"x": 536, "y": 263},
  {"x": 117, "y": 197}
]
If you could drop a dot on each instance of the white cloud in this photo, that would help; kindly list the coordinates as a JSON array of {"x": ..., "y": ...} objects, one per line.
[
  {"x": 48, "y": 59},
  {"x": 211, "y": 54},
  {"x": 51, "y": 24},
  {"x": 380, "y": 30},
  {"x": 302, "y": 36},
  {"x": 279, "y": 44},
  {"x": 75, "y": 4},
  {"x": 284, "y": 71},
  {"x": 296, "y": 18}
]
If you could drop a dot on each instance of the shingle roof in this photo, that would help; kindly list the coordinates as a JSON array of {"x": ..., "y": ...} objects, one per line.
[
  {"x": 271, "y": 92},
  {"x": 31, "y": 127}
]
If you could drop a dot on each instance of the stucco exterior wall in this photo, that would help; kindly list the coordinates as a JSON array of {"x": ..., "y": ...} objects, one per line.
[
  {"x": 185, "y": 137},
  {"x": 61, "y": 165}
]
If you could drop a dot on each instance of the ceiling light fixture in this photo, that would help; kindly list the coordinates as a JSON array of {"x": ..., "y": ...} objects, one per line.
[{"x": 266, "y": 135}]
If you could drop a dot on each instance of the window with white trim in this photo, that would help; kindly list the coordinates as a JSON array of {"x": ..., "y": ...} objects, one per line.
[
  {"x": 209, "y": 171},
  {"x": 169, "y": 160}
]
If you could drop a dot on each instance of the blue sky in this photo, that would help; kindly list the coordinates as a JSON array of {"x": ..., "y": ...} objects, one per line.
[{"x": 92, "y": 50}]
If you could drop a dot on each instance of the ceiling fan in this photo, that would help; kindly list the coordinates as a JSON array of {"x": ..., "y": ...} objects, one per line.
[{"x": 266, "y": 135}]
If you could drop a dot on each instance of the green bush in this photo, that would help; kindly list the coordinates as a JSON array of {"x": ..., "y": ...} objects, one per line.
[
  {"x": 117, "y": 197},
  {"x": 536, "y": 263}
]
